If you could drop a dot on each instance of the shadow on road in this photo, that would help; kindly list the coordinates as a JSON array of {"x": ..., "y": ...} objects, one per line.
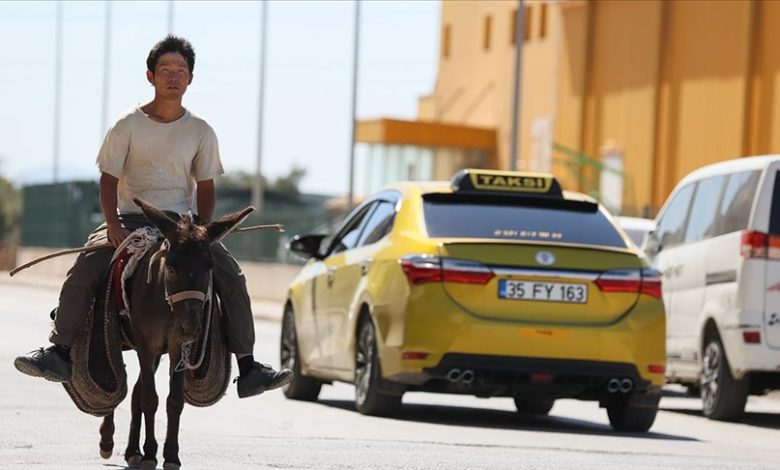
[
  {"x": 762, "y": 420},
  {"x": 497, "y": 419}
]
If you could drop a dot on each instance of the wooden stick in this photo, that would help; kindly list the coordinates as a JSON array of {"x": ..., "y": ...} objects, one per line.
[
  {"x": 277, "y": 227},
  {"x": 83, "y": 249},
  {"x": 91, "y": 248}
]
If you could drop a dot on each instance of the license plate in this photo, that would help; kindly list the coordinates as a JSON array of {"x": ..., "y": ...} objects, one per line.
[{"x": 543, "y": 291}]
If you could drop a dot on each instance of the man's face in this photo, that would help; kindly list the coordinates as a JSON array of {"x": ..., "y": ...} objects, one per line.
[{"x": 171, "y": 76}]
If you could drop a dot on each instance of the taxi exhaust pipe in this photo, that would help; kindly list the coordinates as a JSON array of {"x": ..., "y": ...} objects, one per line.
[
  {"x": 454, "y": 375},
  {"x": 467, "y": 377},
  {"x": 626, "y": 385},
  {"x": 613, "y": 385}
]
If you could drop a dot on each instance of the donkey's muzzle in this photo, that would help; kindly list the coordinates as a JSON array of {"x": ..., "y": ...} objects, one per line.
[{"x": 188, "y": 320}]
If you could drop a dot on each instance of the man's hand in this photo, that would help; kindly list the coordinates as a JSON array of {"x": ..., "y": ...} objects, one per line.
[{"x": 117, "y": 233}]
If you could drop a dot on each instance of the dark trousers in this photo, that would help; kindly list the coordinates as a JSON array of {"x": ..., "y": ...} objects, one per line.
[{"x": 81, "y": 283}]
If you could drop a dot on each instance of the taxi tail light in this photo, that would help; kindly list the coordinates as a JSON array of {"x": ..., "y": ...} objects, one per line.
[
  {"x": 656, "y": 368},
  {"x": 423, "y": 269},
  {"x": 759, "y": 245},
  {"x": 645, "y": 281}
]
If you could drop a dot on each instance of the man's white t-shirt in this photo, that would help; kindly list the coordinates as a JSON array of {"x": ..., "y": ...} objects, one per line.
[{"x": 159, "y": 162}]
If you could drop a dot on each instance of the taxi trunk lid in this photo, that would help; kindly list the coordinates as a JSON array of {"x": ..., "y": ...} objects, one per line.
[
  {"x": 549, "y": 258},
  {"x": 544, "y": 283}
]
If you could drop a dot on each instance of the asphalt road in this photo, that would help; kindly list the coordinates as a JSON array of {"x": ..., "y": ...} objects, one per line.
[{"x": 40, "y": 428}]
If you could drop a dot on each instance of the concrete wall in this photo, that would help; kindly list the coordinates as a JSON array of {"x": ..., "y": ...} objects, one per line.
[{"x": 264, "y": 281}]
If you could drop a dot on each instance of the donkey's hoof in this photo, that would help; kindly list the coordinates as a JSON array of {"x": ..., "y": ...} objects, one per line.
[
  {"x": 148, "y": 464},
  {"x": 134, "y": 461},
  {"x": 106, "y": 448},
  {"x": 171, "y": 466}
]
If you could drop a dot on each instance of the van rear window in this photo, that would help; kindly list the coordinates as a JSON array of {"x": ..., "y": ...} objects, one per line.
[
  {"x": 518, "y": 221},
  {"x": 774, "y": 217}
]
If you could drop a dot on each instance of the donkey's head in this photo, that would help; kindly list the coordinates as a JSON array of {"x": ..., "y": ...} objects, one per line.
[{"x": 188, "y": 263}]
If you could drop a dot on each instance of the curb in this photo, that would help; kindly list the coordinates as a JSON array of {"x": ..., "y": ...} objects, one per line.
[{"x": 262, "y": 309}]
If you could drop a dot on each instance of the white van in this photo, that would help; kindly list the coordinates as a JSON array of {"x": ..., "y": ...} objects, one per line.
[
  {"x": 717, "y": 243},
  {"x": 636, "y": 228}
]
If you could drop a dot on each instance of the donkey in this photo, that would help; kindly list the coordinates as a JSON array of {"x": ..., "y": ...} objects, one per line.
[{"x": 165, "y": 312}]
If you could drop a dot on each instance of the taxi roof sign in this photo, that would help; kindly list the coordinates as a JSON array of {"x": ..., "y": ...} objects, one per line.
[{"x": 482, "y": 181}]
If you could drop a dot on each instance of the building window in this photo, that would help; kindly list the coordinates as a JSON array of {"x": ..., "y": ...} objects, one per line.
[
  {"x": 513, "y": 27},
  {"x": 527, "y": 23},
  {"x": 486, "y": 32},
  {"x": 446, "y": 32},
  {"x": 543, "y": 21}
]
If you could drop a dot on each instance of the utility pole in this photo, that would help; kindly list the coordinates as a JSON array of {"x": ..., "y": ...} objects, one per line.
[
  {"x": 57, "y": 89},
  {"x": 519, "y": 38},
  {"x": 106, "y": 67},
  {"x": 355, "y": 52},
  {"x": 258, "y": 187},
  {"x": 170, "y": 16}
]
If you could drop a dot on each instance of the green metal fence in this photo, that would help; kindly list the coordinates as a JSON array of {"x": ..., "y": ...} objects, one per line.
[
  {"x": 59, "y": 215},
  {"x": 62, "y": 215}
]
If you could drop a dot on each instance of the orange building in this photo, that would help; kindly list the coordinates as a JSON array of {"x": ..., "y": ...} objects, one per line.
[{"x": 618, "y": 98}]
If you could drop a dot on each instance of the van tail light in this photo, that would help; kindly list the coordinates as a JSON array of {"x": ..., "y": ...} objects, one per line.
[
  {"x": 644, "y": 281},
  {"x": 758, "y": 245},
  {"x": 751, "y": 337},
  {"x": 421, "y": 269},
  {"x": 754, "y": 245}
]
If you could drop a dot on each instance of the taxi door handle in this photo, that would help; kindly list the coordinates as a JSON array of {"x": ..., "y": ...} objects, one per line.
[
  {"x": 331, "y": 273},
  {"x": 365, "y": 265}
]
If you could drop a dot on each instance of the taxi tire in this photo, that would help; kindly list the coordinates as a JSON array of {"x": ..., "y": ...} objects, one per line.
[
  {"x": 375, "y": 402},
  {"x": 629, "y": 418},
  {"x": 534, "y": 407},
  {"x": 300, "y": 387},
  {"x": 725, "y": 399}
]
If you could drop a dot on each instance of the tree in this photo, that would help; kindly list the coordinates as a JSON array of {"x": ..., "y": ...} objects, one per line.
[
  {"x": 10, "y": 211},
  {"x": 289, "y": 183}
]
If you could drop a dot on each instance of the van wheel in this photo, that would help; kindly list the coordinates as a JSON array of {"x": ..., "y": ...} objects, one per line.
[
  {"x": 368, "y": 375},
  {"x": 300, "y": 387},
  {"x": 723, "y": 397},
  {"x": 534, "y": 407},
  {"x": 625, "y": 417}
]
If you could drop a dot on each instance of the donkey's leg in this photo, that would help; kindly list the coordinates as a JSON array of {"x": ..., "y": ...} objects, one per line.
[
  {"x": 149, "y": 403},
  {"x": 133, "y": 452},
  {"x": 174, "y": 407},
  {"x": 107, "y": 436}
]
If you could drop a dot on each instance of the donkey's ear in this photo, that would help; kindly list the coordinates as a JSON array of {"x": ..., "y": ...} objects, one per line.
[
  {"x": 165, "y": 224},
  {"x": 219, "y": 228}
]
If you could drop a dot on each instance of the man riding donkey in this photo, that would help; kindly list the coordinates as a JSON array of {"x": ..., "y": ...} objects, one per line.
[{"x": 162, "y": 153}]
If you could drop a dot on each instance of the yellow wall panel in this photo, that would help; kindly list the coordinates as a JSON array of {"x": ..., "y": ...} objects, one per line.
[
  {"x": 624, "y": 71},
  {"x": 708, "y": 61}
]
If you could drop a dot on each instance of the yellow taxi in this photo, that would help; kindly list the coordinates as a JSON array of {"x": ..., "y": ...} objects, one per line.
[{"x": 494, "y": 284}]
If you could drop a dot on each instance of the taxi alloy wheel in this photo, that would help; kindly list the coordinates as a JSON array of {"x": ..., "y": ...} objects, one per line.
[
  {"x": 300, "y": 387},
  {"x": 623, "y": 416},
  {"x": 368, "y": 399},
  {"x": 723, "y": 397}
]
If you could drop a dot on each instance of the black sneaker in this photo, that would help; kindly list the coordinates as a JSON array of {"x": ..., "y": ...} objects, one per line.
[
  {"x": 261, "y": 378},
  {"x": 45, "y": 363}
]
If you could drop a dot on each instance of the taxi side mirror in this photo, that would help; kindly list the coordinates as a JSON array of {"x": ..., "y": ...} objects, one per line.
[{"x": 307, "y": 246}]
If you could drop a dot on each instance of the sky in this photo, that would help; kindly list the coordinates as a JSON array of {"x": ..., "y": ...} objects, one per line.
[{"x": 308, "y": 86}]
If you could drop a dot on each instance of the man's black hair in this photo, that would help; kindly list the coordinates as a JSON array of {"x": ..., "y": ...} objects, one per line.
[{"x": 171, "y": 43}]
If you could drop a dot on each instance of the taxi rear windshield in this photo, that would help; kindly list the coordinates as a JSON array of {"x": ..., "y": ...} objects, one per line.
[{"x": 559, "y": 221}]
